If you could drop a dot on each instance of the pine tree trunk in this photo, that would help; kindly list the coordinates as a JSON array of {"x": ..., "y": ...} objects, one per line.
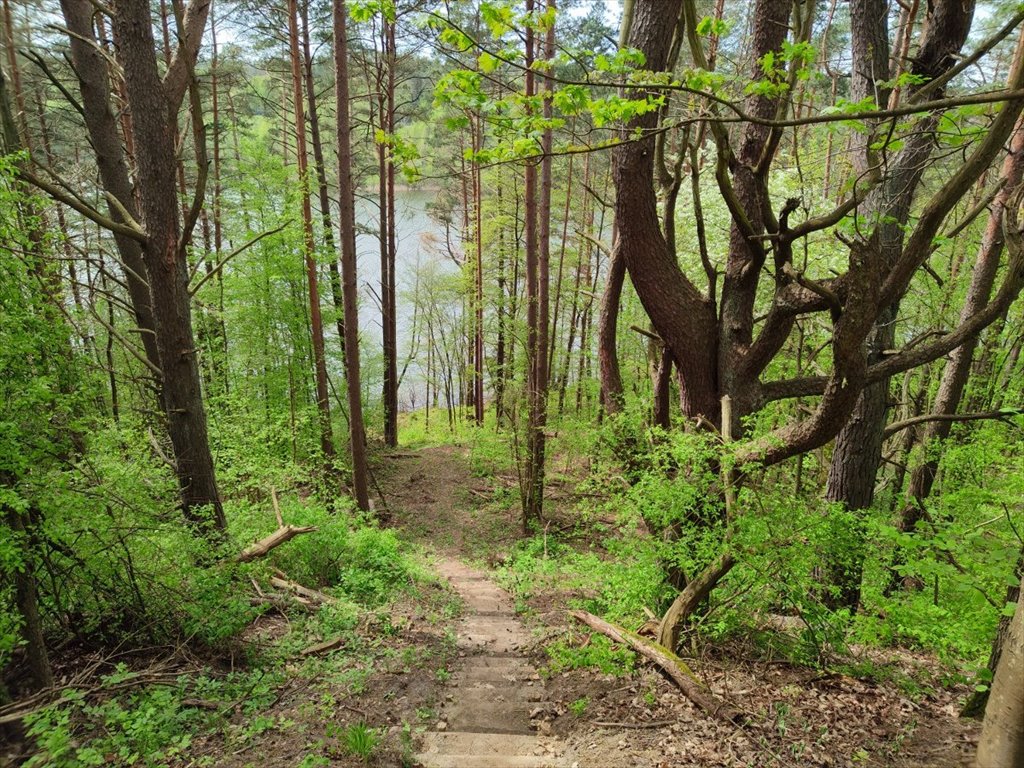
[
  {"x": 386, "y": 191},
  {"x": 153, "y": 108},
  {"x": 533, "y": 507},
  {"x": 346, "y": 190},
  {"x": 858, "y": 447},
  {"x": 309, "y": 243},
  {"x": 499, "y": 348},
  {"x": 323, "y": 193},
  {"x": 529, "y": 475},
  {"x": 101, "y": 124},
  {"x": 478, "y": 283}
]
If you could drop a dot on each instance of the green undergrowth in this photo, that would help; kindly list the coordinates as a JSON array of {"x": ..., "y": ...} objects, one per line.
[
  {"x": 645, "y": 509},
  {"x": 205, "y": 644}
]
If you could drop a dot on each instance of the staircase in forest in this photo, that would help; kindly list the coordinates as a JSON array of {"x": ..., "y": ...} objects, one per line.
[{"x": 487, "y": 720}]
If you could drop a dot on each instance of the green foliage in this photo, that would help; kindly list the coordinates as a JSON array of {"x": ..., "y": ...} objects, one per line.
[
  {"x": 579, "y": 706},
  {"x": 619, "y": 584},
  {"x": 360, "y": 741},
  {"x": 709, "y": 25},
  {"x": 150, "y": 728},
  {"x": 150, "y": 725},
  {"x": 598, "y": 653}
]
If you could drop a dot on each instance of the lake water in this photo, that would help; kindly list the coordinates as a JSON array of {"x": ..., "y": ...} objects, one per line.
[{"x": 415, "y": 230}]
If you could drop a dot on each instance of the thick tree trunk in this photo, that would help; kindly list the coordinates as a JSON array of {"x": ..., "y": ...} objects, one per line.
[
  {"x": 683, "y": 318},
  {"x": 101, "y": 124},
  {"x": 978, "y": 702},
  {"x": 346, "y": 190},
  {"x": 154, "y": 104},
  {"x": 851, "y": 477},
  {"x": 1002, "y": 735},
  {"x": 747, "y": 254},
  {"x": 858, "y": 449}
]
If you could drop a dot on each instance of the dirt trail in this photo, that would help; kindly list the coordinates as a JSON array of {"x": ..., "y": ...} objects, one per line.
[
  {"x": 432, "y": 496},
  {"x": 492, "y": 700}
]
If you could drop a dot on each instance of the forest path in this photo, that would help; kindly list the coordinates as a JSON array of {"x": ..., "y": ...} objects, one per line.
[{"x": 494, "y": 694}]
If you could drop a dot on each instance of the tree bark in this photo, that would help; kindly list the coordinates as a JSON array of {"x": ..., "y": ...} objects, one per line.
[
  {"x": 101, "y": 124},
  {"x": 154, "y": 102},
  {"x": 1002, "y": 735},
  {"x": 499, "y": 348},
  {"x": 683, "y": 318},
  {"x": 532, "y": 475},
  {"x": 321, "y": 179},
  {"x": 978, "y": 702},
  {"x": 536, "y": 436},
  {"x": 478, "y": 282},
  {"x": 858, "y": 448},
  {"x": 388, "y": 250},
  {"x": 27, "y": 599},
  {"x": 308, "y": 242},
  {"x": 346, "y": 190}
]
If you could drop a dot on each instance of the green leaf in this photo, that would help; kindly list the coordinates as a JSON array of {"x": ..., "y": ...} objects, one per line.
[{"x": 487, "y": 62}]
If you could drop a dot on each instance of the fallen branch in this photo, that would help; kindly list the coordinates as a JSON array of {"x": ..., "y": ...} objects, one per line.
[
  {"x": 281, "y": 581},
  {"x": 676, "y": 669},
  {"x": 319, "y": 648},
  {"x": 282, "y": 603},
  {"x": 652, "y": 724},
  {"x": 262, "y": 547}
]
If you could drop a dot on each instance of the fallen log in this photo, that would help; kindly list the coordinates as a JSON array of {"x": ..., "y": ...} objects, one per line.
[
  {"x": 263, "y": 547},
  {"x": 674, "y": 667}
]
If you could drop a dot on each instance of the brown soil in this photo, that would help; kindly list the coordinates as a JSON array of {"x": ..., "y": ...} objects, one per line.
[
  {"x": 433, "y": 498},
  {"x": 390, "y": 683}
]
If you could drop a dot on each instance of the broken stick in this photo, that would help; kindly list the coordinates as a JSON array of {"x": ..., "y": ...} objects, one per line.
[{"x": 277, "y": 538}]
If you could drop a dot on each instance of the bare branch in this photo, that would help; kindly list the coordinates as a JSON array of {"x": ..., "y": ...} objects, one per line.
[{"x": 899, "y": 426}]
